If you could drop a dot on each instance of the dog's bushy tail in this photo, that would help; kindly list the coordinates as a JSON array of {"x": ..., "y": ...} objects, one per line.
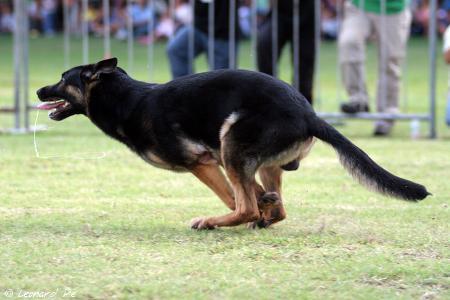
[{"x": 364, "y": 169}]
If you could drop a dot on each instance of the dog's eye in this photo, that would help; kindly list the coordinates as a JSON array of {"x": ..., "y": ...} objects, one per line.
[{"x": 63, "y": 80}]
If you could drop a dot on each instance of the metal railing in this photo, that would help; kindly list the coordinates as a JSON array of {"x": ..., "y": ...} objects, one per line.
[{"x": 21, "y": 54}]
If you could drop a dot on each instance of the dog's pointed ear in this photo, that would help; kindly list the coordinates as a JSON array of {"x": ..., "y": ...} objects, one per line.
[
  {"x": 106, "y": 66},
  {"x": 93, "y": 72}
]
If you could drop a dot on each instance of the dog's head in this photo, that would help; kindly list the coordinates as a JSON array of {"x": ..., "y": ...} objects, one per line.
[{"x": 70, "y": 96}]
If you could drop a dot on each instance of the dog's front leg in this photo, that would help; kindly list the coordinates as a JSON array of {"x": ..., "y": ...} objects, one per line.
[{"x": 213, "y": 177}]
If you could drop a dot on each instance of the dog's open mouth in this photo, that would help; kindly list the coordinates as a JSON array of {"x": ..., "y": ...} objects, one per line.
[{"x": 59, "y": 108}]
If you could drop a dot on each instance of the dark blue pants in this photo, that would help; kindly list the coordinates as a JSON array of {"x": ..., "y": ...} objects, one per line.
[{"x": 178, "y": 51}]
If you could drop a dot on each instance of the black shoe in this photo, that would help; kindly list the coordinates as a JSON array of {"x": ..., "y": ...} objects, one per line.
[
  {"x": 354, "y": 107},
  {"x": 382, "y": 128},
  {"x": 380, "y": 133}
]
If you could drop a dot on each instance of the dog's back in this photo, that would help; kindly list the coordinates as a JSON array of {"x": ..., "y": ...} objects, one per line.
[{"x": 244, "y": 121}]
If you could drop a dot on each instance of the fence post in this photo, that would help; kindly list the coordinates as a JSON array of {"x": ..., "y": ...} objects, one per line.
[
  {"x": 66, "y": 30},
  {"x": 318, "y": 41},
  {"x": 274, "y": 20},
  {"x": 191, "y": 49},
  {"x": 18, "y": 24},
  {"x": 151, "y": 39},
  {"x": 254, "y": 33},
  {"x": 130, "y": 36},
  {"x": 106, "y": 30},
  {"x": 296, "y": 42},
  {"x": 432, "y": 67},
  {"x": 232, "y": 35},
  {"x": 20, "y": 48},
  {"x": 211, "y": 35},
  {"x": 85, "y": 31},
  {"x": 25, "y": 74}
]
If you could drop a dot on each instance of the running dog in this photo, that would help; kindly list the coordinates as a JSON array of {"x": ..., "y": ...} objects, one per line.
[{"x": 244, "y": 122}]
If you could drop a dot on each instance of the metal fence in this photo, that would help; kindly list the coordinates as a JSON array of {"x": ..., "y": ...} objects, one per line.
[{"x": 21, "y": 106}]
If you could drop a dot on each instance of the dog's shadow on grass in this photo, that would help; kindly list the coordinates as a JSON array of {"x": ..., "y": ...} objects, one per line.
[
  {"x": 183, "y": 235},
  {"x": 103, "y": 229},
  {"x": 172, "y": 233}
]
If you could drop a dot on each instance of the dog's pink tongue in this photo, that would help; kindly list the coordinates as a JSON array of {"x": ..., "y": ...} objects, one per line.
[{"x": 49, "y": 105}]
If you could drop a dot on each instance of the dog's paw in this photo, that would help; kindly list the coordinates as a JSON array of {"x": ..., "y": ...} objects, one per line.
[
  {"x": 268, "y": 199},
  {"x": 201, "y": 224},
  {"x": 261, "y": 223}
]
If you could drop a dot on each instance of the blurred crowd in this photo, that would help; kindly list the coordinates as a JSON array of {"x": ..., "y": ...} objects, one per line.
[
  {"x": 46, "y": 17},
  {"x": 352, "y": 22}
]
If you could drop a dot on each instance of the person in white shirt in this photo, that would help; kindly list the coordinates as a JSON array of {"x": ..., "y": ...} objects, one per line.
[
  {"x": 43, "y": 16},
  {"x": 6, "y": 18}
]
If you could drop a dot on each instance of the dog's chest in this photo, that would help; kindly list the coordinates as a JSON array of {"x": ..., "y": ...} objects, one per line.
[
  {"x": 155, "y": 160},
  {"x": 191, "y": 153}
]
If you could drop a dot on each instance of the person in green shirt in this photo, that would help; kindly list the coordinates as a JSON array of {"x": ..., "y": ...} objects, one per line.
[
  {"x": 388, "y": 22},
  {"x": 389, "y": 7}
]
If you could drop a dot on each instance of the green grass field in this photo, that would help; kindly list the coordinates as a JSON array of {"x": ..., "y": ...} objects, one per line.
[{"x": 118, "y": 228}]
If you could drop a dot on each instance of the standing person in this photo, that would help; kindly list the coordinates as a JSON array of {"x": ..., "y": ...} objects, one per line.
[
  {"x": 177, "y": 49},
  {"x": 285, "y": 34},
  {"x": 141, "y": 12},
  {"x": 35, "y": 15},
  {"x": 6, "y": 17},
  {"x": 391, "y": 31},
  {"x": 74, "y": 16},
  {"x": 43, "y": 16}
]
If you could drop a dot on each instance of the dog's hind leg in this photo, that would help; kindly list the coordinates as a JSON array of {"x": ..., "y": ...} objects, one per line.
[
  {"x": 259, "y": 193},
  {"x": 246, "y": 206},
  {"x": 270, "y": 204},
  {"x": 213, "y": 177},
  {"x": 241, "y": 173}
]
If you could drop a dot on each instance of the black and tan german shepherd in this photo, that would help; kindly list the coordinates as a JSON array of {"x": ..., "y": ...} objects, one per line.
[{"x": 244, "y": 122}]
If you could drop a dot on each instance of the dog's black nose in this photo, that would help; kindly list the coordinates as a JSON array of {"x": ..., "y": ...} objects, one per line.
[{"x": 39, "y": 92}]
